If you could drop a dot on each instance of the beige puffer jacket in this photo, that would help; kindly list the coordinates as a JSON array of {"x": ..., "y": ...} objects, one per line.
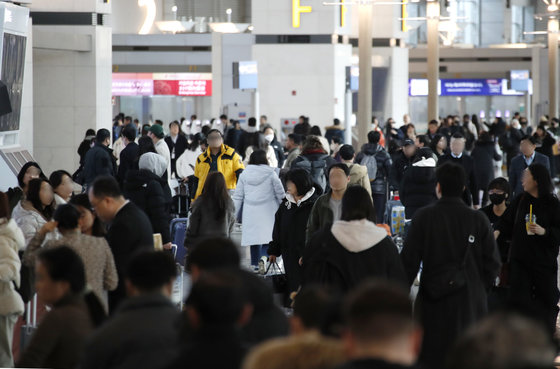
[{"x": 11, "y": 241}]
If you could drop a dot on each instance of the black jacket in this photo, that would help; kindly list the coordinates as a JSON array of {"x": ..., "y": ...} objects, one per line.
[
  {"x": 533, "y": 251},
  {"x": 141, "y": 334},
  {"x": 153, "y": 196},
  {"x": 418, "y": 189},
  {"x": 129, "y": 232},
  {"x": 233, "y": 139},
  {"x": 470, "y": 195},
  {"x": 288, "y": 236},
  {"x": 384, "y": 163},
  {"x": 267, "y": 320},
  {"x": 279, "y": 151},
  {"x": 327, "y": 262},
  {"x": 484, "y": 154},
  {"x": 510, "y": 140},
  {"x": 212, "y": 347},
  {"x": 180, "y": 145},
  {"x": 99, "y": 161},
  {"x": 128, "y": 160},
  {"x": 400, "y": 164},
  {"x": 518, "y": 165},
  {"x": 438, "y": 237}
]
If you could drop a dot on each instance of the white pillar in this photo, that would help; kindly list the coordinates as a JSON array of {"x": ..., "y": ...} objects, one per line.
[
  {"x": 348, "y": 117},
  {"x": 433, "y": 13},
  {"x": 553, "y": 67},
  {"x": 256, "y": 107},
  {"x": 365, "y": 89}
]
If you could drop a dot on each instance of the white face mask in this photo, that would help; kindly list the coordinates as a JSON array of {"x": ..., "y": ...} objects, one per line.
[{"x": 269, "y": 138}]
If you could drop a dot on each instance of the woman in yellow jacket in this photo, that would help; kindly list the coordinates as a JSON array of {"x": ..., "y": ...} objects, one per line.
[{"x": 217, "y": 158}]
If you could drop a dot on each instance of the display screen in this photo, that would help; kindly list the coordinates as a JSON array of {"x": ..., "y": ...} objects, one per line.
[
  {"x": 463, "y": 87},
  {"x": 13, "y": 64},
  {"x": 173, "y": 84}
]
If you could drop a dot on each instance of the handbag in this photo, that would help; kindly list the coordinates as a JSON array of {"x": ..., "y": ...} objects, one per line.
[
  {"x": 276, "y": 279},
  {"x": 445, "y": 280}
]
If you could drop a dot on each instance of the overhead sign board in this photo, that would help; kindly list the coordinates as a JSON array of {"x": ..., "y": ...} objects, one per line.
[{"x": 463, "y": 87}]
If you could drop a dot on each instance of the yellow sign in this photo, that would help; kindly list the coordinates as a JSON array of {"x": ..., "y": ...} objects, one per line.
[
  {"x": 297, "y": 9},
  {"x": 404, "y": 16},
  {"x": 343, "y": 11}
]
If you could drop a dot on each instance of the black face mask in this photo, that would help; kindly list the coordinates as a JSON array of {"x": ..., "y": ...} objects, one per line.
[{"x": 497, "y": 199}]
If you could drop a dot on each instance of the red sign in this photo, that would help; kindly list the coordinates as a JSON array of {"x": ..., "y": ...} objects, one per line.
[{"x": 190, "y": 87}]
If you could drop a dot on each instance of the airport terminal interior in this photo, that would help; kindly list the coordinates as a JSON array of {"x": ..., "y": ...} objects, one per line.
[{"x": 280, "y": 184}]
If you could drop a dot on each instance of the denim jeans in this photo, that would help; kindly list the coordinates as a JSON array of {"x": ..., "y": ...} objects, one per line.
[{"x": 258, "y": 251}]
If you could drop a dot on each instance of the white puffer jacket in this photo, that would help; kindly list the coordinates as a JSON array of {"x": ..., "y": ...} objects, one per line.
[{"x": 11, "y": 241}]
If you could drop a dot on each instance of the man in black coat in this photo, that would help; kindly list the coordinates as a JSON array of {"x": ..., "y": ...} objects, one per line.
[
  {"x": 217, "y": 305},
  {"x": 527, "y": 157},
  {"x": 268, "y": 321},
  {"x": 99, "y": 159},
  {"x": 129, "y": 155},
  {"x": 401, "y": 162},
  {"x": 142, "y": 331},
  {"x": 460, "y": 263},
  {"x": 381, "y": 330},
  {"x": 177, "y": 144},
  {"x": 457, "y": 156},
  {"x": 129, "y": 231}
]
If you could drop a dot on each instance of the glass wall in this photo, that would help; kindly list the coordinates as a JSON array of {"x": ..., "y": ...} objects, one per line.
[{"x": 475, "y": 22}]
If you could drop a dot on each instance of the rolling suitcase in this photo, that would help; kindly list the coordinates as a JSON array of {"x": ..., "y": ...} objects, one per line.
[
  {"x": 178, "y": 232},
  {"x": 30, "y": 325}
]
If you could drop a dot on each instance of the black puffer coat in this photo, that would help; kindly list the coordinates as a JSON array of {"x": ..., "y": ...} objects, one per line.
[
  {"x": 418, "y": 189},
  {"x": 151, "y": 194}
]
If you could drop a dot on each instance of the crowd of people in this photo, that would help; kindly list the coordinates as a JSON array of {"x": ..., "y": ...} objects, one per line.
[{"x": 473, "y": 285}]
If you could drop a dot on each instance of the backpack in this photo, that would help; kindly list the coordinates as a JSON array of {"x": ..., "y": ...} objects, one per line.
[
  {"x": 317, "y": 169},
  {"x": 370, "y": 162}
]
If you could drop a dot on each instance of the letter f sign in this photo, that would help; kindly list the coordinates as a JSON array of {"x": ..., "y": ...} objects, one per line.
[{"x": 297, "y": 9}]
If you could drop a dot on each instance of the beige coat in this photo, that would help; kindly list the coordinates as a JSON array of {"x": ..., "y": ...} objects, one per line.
[
  {"x": 101, "y": 273},
  {"x": 11, "y": 241}
]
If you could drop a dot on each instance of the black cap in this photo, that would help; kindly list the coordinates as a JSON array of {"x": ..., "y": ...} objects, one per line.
[{"x": 408, "y": 142}]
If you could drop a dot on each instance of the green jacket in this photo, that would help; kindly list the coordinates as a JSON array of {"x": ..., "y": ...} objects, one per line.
[{"x": 321, "y": 215}]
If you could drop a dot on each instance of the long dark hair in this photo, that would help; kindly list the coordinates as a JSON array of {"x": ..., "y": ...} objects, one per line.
[
  {"x": 215, "y": 194},
  {"x": 544, "y": 182},
  {"x": 434, "y": 143},
  {"x": 258, "y": 157},
  {"x": 23, "y": 169},
  {"x": 34, "y": 197},
  {"x": 98, "y": 228},
  {"x": 357, "y": 205}
]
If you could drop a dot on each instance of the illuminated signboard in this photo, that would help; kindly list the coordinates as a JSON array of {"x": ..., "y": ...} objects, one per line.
[
  {"x": 297, "y": 9},
  {"x": 463, "y": 87},
  {"x": 172, "y": 84}
]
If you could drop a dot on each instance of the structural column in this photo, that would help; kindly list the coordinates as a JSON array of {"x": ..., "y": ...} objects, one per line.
[
  {"x": 553, "y": 67},
  {"x": 365, "y": 89},
  {"x": 433, "y": 59}
]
